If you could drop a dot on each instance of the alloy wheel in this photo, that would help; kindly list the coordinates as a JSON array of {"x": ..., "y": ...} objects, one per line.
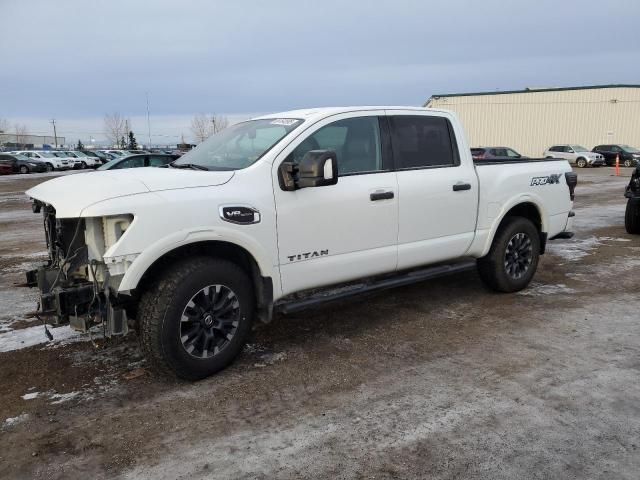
[
  {"x": 209, "y": 321},
  {"x": 518, "y": 255}
]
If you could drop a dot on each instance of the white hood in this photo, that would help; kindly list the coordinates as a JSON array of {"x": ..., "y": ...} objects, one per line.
[{"x": 71, "y": 194}]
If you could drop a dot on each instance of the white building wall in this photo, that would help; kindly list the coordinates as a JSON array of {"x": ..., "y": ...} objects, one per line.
[{"x": 532, "y": 121}]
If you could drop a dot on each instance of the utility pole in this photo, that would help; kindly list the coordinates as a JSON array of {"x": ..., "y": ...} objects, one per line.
[
  {"x": 148, "y": 122},
  {"x": 55, "y": 133}
]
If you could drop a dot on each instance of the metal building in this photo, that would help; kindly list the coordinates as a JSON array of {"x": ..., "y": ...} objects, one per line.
[
  {"x": 531, "y": 120},
  {"x": 21, "y": 142}
]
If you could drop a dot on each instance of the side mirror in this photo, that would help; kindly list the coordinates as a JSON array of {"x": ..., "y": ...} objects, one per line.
[
  {"x": 570, "y": 150},
  {"x": 318, "y": 168}
]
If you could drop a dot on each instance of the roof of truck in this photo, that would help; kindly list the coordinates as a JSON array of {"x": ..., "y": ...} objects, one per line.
[{"x": 310, "y": 113}]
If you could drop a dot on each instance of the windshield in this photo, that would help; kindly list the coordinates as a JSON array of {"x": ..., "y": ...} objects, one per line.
[
  {"x": 629, "y": 149},
  {"x": 46, "y": 154},
  {"x": 19, "y": 156},
  {"x": 578, "y": 148},
  {"x": 240, "y": 145}
]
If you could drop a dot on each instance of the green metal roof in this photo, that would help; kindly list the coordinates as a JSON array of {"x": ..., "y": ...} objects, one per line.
[{"x": 531, "y": 90}]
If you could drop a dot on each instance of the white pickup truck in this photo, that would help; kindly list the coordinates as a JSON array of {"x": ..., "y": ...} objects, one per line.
[{"x": 273, "y": 213}]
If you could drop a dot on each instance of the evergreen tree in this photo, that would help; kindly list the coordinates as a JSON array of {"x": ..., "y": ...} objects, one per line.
[
  {"x": 133, "y": 144},
  {"x": 80, "y": 145}
]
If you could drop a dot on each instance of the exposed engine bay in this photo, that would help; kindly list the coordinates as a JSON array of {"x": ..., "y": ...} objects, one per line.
[{"x": 76, "y": 286}]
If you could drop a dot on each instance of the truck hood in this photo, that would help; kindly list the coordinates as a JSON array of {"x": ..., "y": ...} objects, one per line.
[{"x": 71, "y": 194}]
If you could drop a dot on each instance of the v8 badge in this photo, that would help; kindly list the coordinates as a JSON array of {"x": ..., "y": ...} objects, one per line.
[{"x": 239, "y": 214}]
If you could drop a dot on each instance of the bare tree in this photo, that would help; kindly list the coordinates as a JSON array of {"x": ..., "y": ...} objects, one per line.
[
  {"x": 21, "y": 134},
  {"x": 203, "y": 126},
  {"x": 115, "y": 127},
  {"x": 4, "y": 125},
  {"x": 219, "y": 122}
]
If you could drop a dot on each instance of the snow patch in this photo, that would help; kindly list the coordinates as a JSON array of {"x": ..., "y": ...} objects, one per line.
[
  {"x": 574, "y": 250},
  {"x": 10, "y": 422},
  {"x": 28, "y": 337},
  {"x": 63, "y": 397},
  {"x": 30, "y": 396},
  {"x": 541, "y": 289}
]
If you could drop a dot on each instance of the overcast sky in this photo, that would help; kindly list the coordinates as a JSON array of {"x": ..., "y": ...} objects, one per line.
[{"x": 76, "y": 60}]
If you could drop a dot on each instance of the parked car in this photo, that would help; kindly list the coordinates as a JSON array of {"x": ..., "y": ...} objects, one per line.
[
  {"x": 51, "y": 161},
  {"x": 629, "y": 156},
  {"x": 118, "y": 153},
  {"x": 97, "y": 157},
  {"x": 21, "y": 164},
  {"x": 5, "y": 168},
  {"x": 87, "y": 161},
  {"x": 294, "y": 202},
  {"x": 73, "y": 160},
  {"x": 575, "y": 154},
  {"x": 632, "y": 212},
  {"x": 137, "y": 161},
  {"x": 495, "y": 153}
]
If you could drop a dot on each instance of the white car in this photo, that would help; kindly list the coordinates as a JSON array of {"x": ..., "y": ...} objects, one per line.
[
  {"x": 83, "y": 160},
  {"x": 52, "y": 161},
  {"x": 73, "y": 161},
  {"x": 274, "y": 213},
  {"x": 576, "y": 154}
]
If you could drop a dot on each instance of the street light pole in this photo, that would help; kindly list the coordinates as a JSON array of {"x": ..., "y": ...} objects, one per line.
[
  {"x": 55, "y": 134},
  {"x": 148, "y": 122}
]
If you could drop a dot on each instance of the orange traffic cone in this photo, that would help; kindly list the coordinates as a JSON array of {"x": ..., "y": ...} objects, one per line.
[{"x": 617, "y": 164}]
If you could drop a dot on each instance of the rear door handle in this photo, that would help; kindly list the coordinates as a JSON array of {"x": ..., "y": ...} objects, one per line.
[
  {"x": 381, "y": 196},
  {"x": 461, "y": 186}
]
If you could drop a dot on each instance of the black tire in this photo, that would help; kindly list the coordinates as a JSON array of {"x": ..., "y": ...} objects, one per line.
[
  {"x": 164, "y": 305},
  {"x": 632, "y": 216},
  {"x": 581, "y": 162},
  {"x": 83, "y": 165},
  {"x": 24, "y": 169},
  {"x": 628, "y": 163},
  {"x": 497, "y": 268},
  {"x": 49, "y": 167}
]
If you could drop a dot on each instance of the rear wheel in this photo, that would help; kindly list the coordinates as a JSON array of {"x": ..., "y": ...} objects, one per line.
[
  {"x": 513, "y": 258},
  {"x": 632, "y": 216},
  {"x": 24, "y": 169},
  {"x": 195, "y": 320},
  {"x": 581, "y": 163}
]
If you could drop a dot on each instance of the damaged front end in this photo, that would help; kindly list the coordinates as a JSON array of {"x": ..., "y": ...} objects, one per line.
[{"x": 76, "y": 286}]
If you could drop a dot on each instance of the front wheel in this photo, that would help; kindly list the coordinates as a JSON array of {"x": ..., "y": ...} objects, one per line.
[
  {"x": 632, "y": 216},
  {"x": 83, "y": 165},
  {"x": 24, "y": 169},
  {"x": 581, "y": 163},
  {"x": 49, "y": 167},
  {"x": 195, "y": 320},
  {"x": 513, "y": 258},
  {"x": 628, "y": 163}
]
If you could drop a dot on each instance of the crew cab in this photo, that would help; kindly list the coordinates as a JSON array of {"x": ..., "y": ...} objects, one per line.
[{"x": 272, "y": 214}]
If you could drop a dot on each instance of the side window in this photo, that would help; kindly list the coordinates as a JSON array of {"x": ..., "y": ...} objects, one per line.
[
  {"x": 422, "y": 141},
  {"x": 512, "y": 153},
  {"x": 616, "y": 149},
  {"x": 131, "y": 163},
  {"x": 155, "y": 161},
  {"x": 356, "y": 142}
]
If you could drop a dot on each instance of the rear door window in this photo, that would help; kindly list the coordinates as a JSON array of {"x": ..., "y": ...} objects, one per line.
[{"x": 421, "y": 141}]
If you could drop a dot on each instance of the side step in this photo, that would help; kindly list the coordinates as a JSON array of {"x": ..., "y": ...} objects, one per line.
[{"x": 398, "y": 280}]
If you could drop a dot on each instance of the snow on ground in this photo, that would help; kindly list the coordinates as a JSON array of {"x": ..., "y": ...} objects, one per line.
[
  {"x": 574, "y": 249},
  {"x": 63, "y": 397},
  {"x": 28, "y": 337},
  {"x": 10, "y": 422},
  {"x": 536, "y": 289},
  {"x": 30, "y": 396}
]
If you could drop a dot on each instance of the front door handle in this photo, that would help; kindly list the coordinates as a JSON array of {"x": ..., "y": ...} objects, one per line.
[
  {"x": 381, "y": 196},
  {"x": 461, "y": 186}
]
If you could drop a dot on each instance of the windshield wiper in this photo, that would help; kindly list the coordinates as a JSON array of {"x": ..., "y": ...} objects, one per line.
[{"x": 193, "y": 166}]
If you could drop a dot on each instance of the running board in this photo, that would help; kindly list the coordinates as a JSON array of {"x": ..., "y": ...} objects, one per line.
[{"x": 398, "y": 280}]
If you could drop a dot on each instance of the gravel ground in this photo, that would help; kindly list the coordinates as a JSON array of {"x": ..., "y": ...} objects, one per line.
[{"x": 442, "y": 379}]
